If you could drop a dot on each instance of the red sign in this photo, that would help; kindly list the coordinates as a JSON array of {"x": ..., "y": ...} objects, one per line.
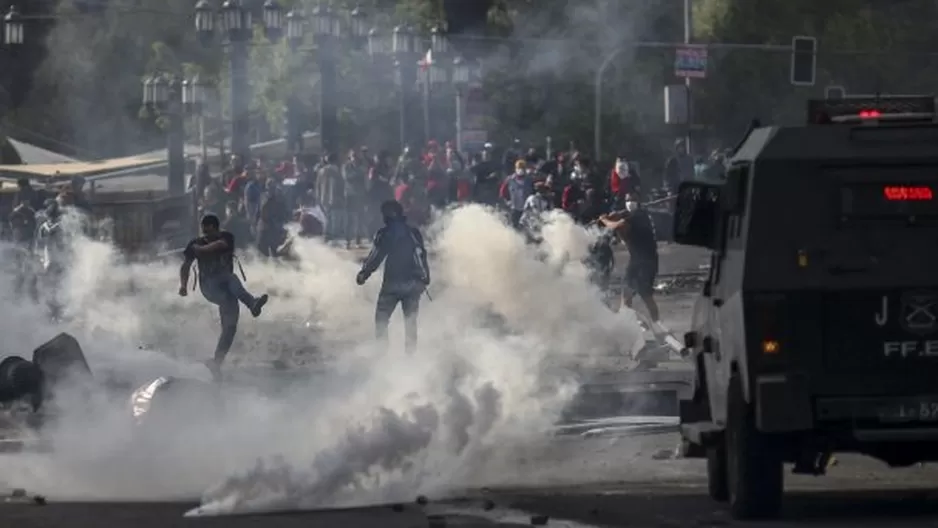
[{"x": 897, "y": 193}]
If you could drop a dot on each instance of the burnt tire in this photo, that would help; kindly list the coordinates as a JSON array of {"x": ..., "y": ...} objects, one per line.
[
  {"x": 717, "y": 479},
  {"x": 753, "y": 462}
]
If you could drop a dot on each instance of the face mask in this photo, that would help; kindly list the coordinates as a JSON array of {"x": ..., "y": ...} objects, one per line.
[
  {"x": 622, "y": 168},
  {"x": 631, "y": 206}
]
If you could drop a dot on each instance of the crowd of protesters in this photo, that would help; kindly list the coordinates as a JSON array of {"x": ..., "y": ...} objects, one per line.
[{"x": 339, "y": 198}]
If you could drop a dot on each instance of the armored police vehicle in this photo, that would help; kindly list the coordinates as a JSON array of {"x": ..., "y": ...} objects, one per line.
[{"x": 817, "y": 328}]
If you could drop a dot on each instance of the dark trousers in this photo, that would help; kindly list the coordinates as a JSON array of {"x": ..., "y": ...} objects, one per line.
[
  {"x": 335, "y": 222},
  {"x": 354, "y": 219},
  {"x": 269, "y": 241},
  {"x": 410, "y": 304},
  {"x": 225, "y": 290},
  {"x": 516, "y": 219}
]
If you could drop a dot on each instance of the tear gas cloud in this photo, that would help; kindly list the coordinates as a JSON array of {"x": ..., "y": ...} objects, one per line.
[{"x": 368, "y": 425}]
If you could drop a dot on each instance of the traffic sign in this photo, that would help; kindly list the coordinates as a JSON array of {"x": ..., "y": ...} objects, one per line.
[{"x": 691, "y": 62}]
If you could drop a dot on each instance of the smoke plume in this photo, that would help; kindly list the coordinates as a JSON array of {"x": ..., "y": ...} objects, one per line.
[{"x": 500, "y": 344}]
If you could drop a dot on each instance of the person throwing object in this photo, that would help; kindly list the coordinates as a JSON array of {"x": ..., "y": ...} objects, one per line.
[
  {"x": 636, "y": 228},
  {"x": 406, "y": 272},
  {"x": 214, "y": 251}
]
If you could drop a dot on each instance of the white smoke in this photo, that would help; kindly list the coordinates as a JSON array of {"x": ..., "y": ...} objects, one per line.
[{"x": 500, "y": 345}]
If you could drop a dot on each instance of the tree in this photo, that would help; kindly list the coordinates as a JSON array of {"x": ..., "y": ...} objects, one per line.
[{"x": 869, "y": 48}]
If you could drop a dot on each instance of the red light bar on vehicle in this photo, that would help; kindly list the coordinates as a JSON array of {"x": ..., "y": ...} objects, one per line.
[
  {"x": 903, "y": 193},
  {"x": 821, "y": 111}
]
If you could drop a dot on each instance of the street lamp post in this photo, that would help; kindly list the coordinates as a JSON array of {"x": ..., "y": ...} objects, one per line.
[
  {"x": 327, "y": 30},
  {"x": 194, "y": 97},
  {"x": 404, "y": 49},
  {"x": 13, "y": 28},
  {"x": 463, "y": 74},
  {"x": 296, "y": 32},
  {"x": 174, "y": 98},
  {"x": 401, "y": 47},
  {"x": 435, "y": 74},
  {"x": 235, "y": 22}
]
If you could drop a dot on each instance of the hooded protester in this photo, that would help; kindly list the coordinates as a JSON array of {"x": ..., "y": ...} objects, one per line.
[
  {"x": 486, "y": 174},
  {"x": 515, "y": 191},
  {"x": 512, "y": 155},
  {"x": 406, "y": 272},
  {"x": 214, "y": 252}
]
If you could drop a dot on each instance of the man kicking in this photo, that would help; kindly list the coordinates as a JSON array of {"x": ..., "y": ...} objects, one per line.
[{"x": 214, "y": 251}]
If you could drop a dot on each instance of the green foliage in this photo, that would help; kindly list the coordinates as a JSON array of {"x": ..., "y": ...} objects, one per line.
[
  {"x": 87, "y": 92},
  {"x": 868, "y": 47}
]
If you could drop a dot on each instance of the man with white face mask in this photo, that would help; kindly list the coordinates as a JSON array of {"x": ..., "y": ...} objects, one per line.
[
  {"x": 623, "y": 180},
  {"x": 638, "y": 232}
]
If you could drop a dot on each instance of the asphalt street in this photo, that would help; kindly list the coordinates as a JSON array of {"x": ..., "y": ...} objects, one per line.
[
  {"x": 605, "y": 479},
  {"x": 608, "y": 482}
]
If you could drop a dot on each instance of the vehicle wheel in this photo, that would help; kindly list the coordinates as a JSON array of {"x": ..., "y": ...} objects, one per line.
[
  {"x": 717, "y": 484},
  {"x": 753, "y": 461}
]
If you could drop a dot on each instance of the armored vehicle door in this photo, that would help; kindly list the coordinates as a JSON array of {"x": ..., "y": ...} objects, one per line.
[
  {"x": 697, "y": 223},
  {"x": 724, "y": 349}
]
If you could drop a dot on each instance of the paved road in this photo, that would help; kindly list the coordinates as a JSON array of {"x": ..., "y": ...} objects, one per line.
[{"x": 610, "y": 482}]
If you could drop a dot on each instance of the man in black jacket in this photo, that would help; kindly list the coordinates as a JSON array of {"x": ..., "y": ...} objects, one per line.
[{"x": 406, "y": 272}]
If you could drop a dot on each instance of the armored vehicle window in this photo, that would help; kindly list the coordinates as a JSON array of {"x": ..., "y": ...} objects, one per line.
[{"x": 734, "y": 197}]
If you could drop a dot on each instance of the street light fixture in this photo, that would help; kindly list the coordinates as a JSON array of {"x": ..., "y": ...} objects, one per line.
[
  {"x": 325, "y": 22},
  {"x": 273, "y": 20},
  {"x": 172, "y": 98},
  {"x": 460, "y": 73},
  {"x": 204, "y": 21},
  {"x": 13, "y": 28},
  {"x": 438, "y": 41},
  {"x": 379, "y": 43},
  {"x": 234, "y": 21},
  {"x": 402, "y": 42},
  {"x": 149, "y": 92},
  {"x": 296, "y": 29},
  {"x": 358, "y": 23},
  {"x": 194, "y": 94}
]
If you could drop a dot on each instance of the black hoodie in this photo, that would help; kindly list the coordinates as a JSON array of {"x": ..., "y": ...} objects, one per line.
[{"x": 402, "y": 246}]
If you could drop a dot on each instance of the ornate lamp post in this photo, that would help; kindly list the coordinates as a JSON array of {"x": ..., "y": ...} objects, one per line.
[
  {"x": 235, "y": 23},
  {"x": 174, "y": 99},
  {"x": 401, "y": 47}
]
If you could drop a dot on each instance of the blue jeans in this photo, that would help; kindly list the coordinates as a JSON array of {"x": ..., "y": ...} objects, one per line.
[{"x": 225, "y": 290}]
